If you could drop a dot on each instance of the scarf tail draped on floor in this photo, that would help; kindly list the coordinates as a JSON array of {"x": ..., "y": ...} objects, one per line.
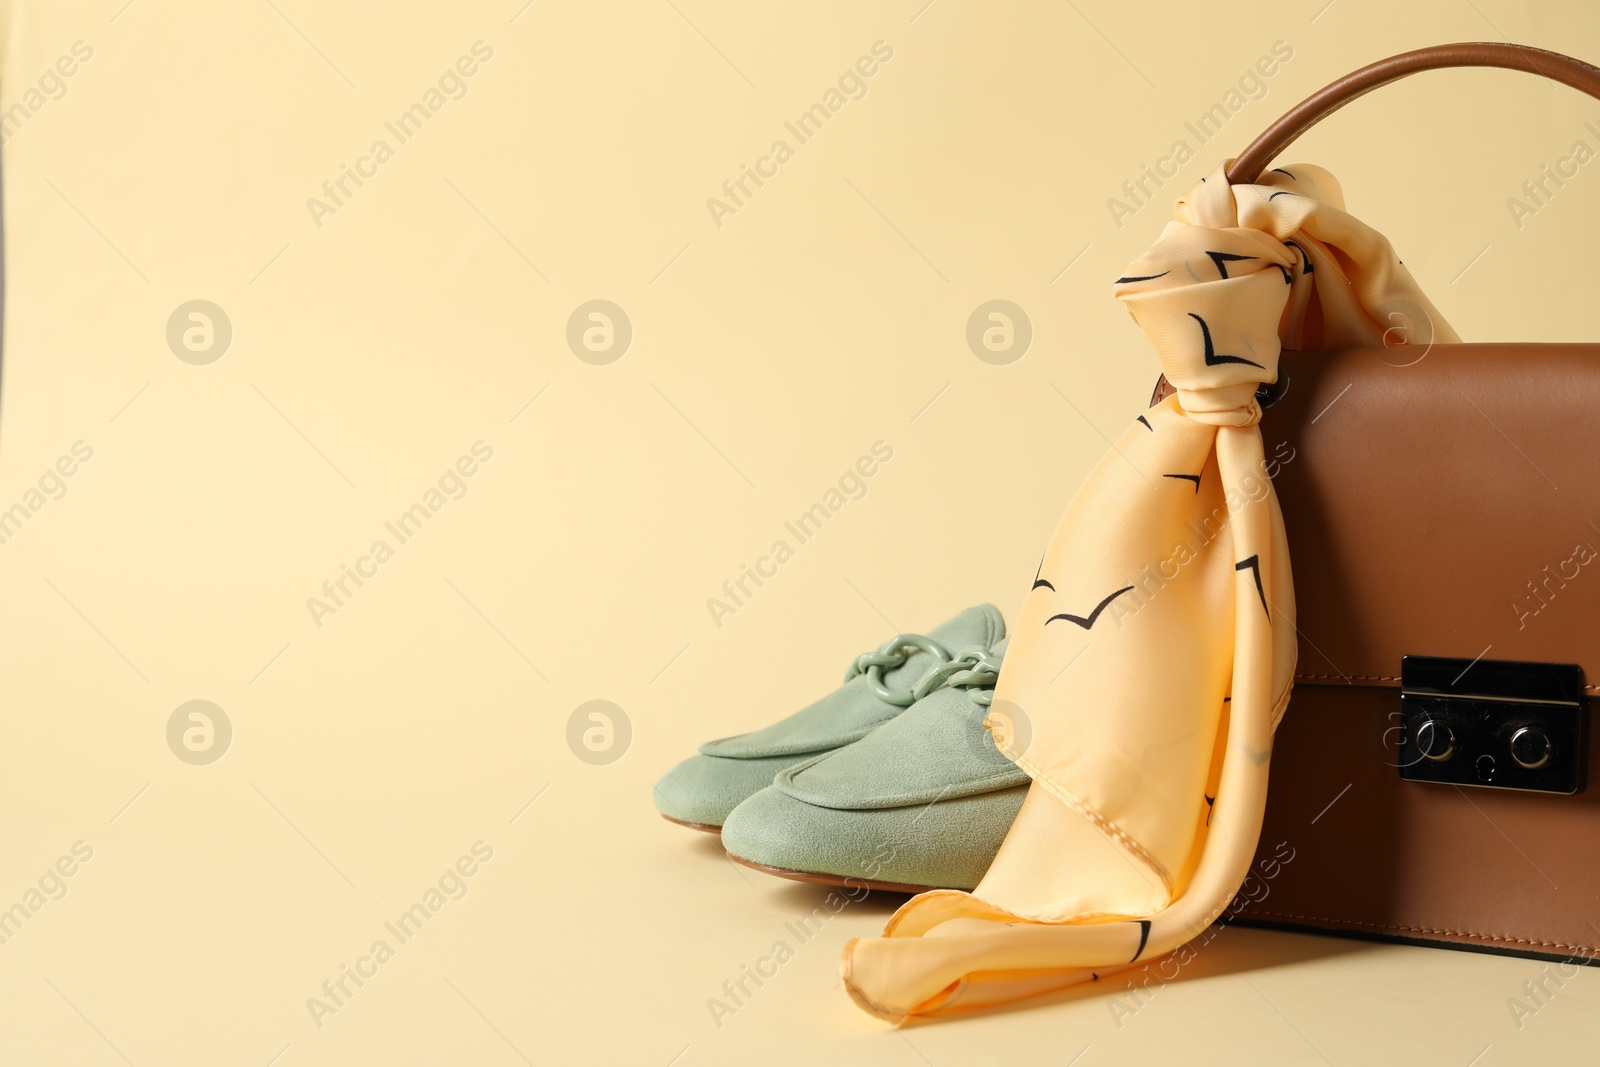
[{"x": 1155, "y": 653}]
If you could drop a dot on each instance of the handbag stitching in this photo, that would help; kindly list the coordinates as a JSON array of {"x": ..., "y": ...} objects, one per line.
[
  {"x": 1381, "y": 678},
  {"x": 1349, "y": 677},
  {"x": 1424, "y": 930}
]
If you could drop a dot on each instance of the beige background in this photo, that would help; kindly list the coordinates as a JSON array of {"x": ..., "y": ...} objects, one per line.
[{"x": 425, "y": 315}]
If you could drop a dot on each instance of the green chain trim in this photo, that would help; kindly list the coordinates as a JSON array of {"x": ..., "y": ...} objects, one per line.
[{"x": 974, "y": 668}]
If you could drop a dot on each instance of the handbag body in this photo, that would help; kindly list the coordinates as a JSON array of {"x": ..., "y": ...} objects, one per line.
[{"x": 1442, "y": 505}]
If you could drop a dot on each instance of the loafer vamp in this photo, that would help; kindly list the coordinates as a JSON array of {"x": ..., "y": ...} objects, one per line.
[
  {"x": 936, "y": 750},
  {"x": 948, "y": 844},
  {"x": 854, "y": 709},
  {"x": 705, "y": 789}
]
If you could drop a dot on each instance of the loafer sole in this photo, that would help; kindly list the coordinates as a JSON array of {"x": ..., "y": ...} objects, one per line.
[
  {"x": 816, "y": 878},
  {"x": 703, "y": 827}
]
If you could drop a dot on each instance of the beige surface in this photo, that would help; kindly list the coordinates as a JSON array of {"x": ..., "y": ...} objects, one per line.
[{"x": 829, "y": 312}]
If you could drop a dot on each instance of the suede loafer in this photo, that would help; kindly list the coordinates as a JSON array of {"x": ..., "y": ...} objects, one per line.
[
  {"x": 701, "y": 791},
  {"x": 922, "y": 802}
]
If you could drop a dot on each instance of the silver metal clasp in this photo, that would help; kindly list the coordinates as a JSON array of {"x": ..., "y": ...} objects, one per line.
[{"x": 1501, "y": 724}]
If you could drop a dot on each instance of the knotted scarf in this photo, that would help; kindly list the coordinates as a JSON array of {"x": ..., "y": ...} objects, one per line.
[{"x": 1154, "y": 655}]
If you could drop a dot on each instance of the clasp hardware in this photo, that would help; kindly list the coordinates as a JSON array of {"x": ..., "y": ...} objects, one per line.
[{"x": 1501, "y": 724}]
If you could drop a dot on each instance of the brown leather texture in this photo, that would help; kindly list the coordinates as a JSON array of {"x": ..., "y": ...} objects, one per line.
[
  {"x": 1381, "y": 858},
  {"x": 1421, "y": 499},
  {"x": 1255, "y": 159}
]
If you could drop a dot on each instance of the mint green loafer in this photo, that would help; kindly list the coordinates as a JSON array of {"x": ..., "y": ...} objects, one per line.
[
  {"x": 702, "y": 790},
  {"x": 922, "y": 802}
]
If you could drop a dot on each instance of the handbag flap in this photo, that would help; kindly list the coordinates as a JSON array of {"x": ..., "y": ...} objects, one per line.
[{"x": 1440, "y": 502}]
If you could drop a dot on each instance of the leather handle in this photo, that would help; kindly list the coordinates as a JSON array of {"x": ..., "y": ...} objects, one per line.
[{"x": 1253, "y": 161}]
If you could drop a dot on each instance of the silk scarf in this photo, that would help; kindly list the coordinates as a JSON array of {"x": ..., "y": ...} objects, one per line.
[{"x": 1154, "y": 655}]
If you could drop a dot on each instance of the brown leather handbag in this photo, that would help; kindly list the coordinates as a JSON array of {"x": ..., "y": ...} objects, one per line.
[{"x": 1443, "y": 513}]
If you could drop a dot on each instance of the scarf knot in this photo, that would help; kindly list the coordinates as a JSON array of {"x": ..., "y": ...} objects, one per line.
[{"x": 1211, "y": 294}]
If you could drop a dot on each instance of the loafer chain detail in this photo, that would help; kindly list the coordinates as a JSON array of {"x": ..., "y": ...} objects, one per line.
[{"x": 974, "y": 667}]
